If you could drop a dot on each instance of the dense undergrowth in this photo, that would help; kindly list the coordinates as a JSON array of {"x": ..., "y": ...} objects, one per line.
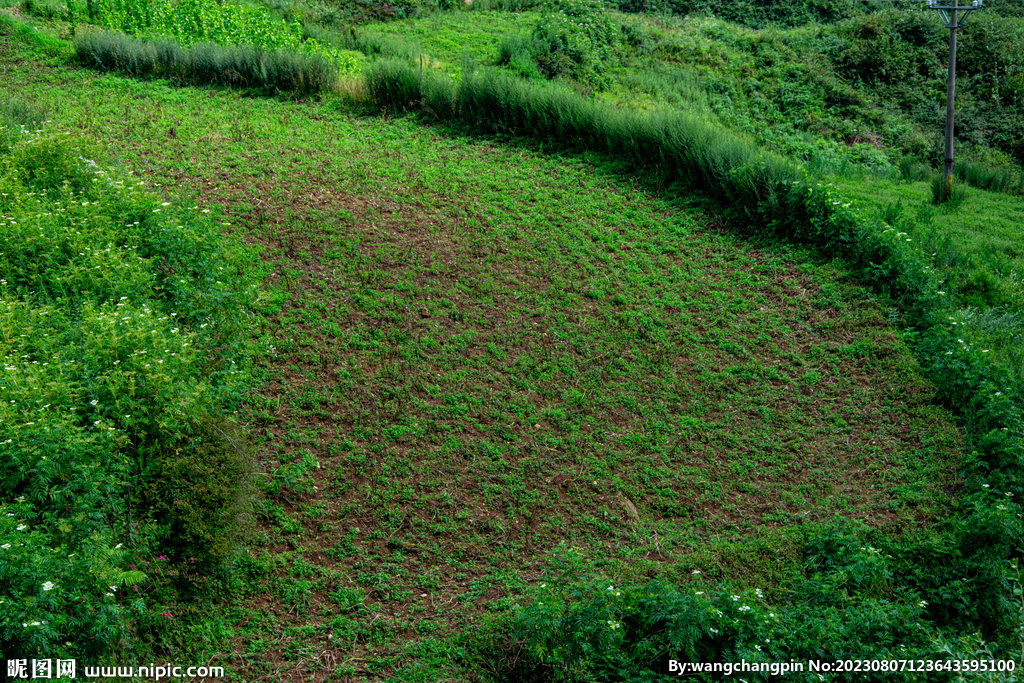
[
  {"x": 860, "y": 93},
  {"x": 122, "y": 353}
]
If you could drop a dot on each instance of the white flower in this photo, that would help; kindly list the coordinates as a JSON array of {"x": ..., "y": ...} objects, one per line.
[
  {"x": 5, "y": 546},
  {"x": 696, "y": 571},
  {"x": 543, "y": 585},
  {"x": 94, "y": 402},
  {"x": 922, "y": 604},
  {"x": 48, "y": 586},
  {"x": 22, "y": 527},
  {"x": 736, "y": 598}
]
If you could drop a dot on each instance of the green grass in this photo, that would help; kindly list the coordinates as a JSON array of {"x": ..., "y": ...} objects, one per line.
[
  {"x": 446, "y": 36},
  {"x": 476, "y": 353},
  {"x": 987, "y": 223}
]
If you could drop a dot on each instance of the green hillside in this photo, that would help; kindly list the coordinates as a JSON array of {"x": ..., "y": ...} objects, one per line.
[{"x": 508, "y": 341}]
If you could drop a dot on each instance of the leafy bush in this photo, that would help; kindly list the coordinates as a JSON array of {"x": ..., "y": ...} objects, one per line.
[
  {"x": 48, "y": 9},
  {"x": 120, "y": 320},
  {"x": 753, "y": 13},
  {"x": 199, "y": 493},
  {"x": 589, "y": 629},
  {"x": 892, "y": 47},
  {"x": 575, "y": 38}
]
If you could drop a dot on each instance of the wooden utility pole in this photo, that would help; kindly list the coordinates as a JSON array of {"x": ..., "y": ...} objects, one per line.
[
  {"x": 953, "y": 23},
  {"x": 950, "y": 99},
  {"x": 954, "y": 17}
]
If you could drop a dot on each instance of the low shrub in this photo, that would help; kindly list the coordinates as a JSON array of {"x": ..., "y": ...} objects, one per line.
[
  {"x": 590, "y": 630},
  {"x": 952, "y": 194},
  {"x": 573, "y": 39},
  {"x": 48, "y": 9}
]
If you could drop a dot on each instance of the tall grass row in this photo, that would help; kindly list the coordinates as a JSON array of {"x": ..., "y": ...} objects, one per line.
[
  {"x": 208, "y": 63},
  {"x": 195, "y": 21},
  {"x": 985, "y": 176}
]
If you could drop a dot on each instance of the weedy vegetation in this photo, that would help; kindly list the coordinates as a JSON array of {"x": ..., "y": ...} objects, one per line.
[
  {"x": 631, "y": 337},
  {"x": 121, "y": 355}
]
